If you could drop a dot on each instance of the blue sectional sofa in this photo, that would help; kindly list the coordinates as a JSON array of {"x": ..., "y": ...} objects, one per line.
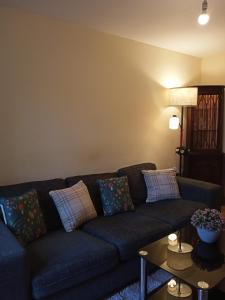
[{"x": 100, "y": 257}]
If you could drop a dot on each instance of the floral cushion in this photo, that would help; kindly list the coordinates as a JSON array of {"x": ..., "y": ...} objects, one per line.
[
  {"x": 115, "y": 195},
  {"x": 23, "y": 216}
]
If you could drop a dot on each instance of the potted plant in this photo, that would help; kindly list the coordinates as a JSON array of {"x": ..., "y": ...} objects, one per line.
[{"x": 209, "y": 224}]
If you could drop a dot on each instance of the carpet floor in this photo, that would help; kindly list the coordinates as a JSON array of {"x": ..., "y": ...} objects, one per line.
[{"x": 155, "y": 280}]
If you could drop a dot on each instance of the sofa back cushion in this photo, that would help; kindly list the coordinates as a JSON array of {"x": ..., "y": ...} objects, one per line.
[
  {"x": 136, "y": 181},
  {"x": 91, "y": 182},
  {"x": 50, "y": 213}
]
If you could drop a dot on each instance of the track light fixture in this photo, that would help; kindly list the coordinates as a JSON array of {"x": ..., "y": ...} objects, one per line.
[{"x": 203, "y": 18}]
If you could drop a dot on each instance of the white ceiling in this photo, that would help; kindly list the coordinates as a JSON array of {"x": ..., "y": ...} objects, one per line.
[{"x": 169, "y": 24}]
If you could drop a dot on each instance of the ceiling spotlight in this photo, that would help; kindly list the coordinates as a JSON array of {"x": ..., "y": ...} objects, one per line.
[{"x": 203, "y": 19}]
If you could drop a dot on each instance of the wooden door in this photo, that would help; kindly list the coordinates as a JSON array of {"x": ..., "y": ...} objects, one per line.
[{"x": 204, "y": 136}]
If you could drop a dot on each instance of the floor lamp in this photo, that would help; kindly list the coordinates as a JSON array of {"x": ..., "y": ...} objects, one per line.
[{"x": 181, "y": 97}]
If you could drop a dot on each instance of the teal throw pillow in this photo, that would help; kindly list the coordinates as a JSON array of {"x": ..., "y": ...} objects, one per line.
[
  {"x": 23, "y": 216},
  {"x": 115, "y": 195}
]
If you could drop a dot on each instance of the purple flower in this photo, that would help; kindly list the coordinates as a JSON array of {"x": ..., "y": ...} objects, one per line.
[{"x": 210, "y": 219}]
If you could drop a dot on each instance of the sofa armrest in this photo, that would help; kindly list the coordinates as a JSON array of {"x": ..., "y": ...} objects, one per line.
[
  {"x": 195, "y": 190},
  {"x": 14, "y": 274}
]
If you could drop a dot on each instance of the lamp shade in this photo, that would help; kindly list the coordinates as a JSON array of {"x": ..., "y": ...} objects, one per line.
[{"x": 183, "y": 96}]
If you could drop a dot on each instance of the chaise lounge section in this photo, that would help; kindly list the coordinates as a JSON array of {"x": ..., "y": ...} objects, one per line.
[{"x": 101, "y": 256}]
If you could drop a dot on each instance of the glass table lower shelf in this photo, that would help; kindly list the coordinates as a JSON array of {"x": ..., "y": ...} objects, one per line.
[{"x": 162, "y": 294}]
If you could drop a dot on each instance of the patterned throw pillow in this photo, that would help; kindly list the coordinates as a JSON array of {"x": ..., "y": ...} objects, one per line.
[
  {"x": 115, "y": 195},
  {"x": 74, "y": 205},
  {"x": 23, "y": 216},
  {"x": 161, "y": 184}
]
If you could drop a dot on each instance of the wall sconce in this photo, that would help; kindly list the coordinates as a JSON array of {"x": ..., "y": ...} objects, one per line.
[{"x": 174, "y": 122}]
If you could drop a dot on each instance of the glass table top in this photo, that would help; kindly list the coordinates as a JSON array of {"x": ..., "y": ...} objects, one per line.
[{"x": 204, "y": 263}]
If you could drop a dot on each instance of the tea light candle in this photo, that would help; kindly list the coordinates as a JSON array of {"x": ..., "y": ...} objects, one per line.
[
  {"x": 172, "y": 285},
  {"x": 172, "y": 239}
]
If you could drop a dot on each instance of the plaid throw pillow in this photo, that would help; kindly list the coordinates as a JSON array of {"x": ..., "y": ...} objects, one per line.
[
  {"x": 23, "y": 216},
  {"x": 161, "y": 184},
  {"x": 74, "y": 205}
]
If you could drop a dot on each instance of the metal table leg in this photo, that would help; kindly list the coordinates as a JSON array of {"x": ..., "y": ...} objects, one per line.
[
  {"x": 143, "y": 276},
  {"x": 203, "y": 290},
  {"x": 202, "y": 294}
]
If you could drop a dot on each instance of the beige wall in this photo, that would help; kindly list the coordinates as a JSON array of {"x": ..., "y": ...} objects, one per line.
[
  {"x": 213, "y": 69},
  {"x": 74, "y": 101}
]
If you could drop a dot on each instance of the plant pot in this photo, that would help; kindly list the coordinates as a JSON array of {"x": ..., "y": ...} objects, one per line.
[{"x": 208, "y": 236}]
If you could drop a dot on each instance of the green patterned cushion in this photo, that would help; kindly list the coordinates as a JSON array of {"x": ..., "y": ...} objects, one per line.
[
  {"x": 115, "y": 195},
  {"x": 23, "y": 216}
]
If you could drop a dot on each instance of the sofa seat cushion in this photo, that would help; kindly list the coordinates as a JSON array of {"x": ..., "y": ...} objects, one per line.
[
  {"x": 176, "y": 212},
  {"x": 127, "y": 231},
  {"x": 60, "y": 260}
]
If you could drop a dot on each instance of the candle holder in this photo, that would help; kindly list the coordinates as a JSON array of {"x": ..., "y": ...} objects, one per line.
[
  {"x": 178, "y": 289},
  {"x": 177, "y": 245},
  {"x": 179, "y": 260},
  {"x": 172, "y": 239}
]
